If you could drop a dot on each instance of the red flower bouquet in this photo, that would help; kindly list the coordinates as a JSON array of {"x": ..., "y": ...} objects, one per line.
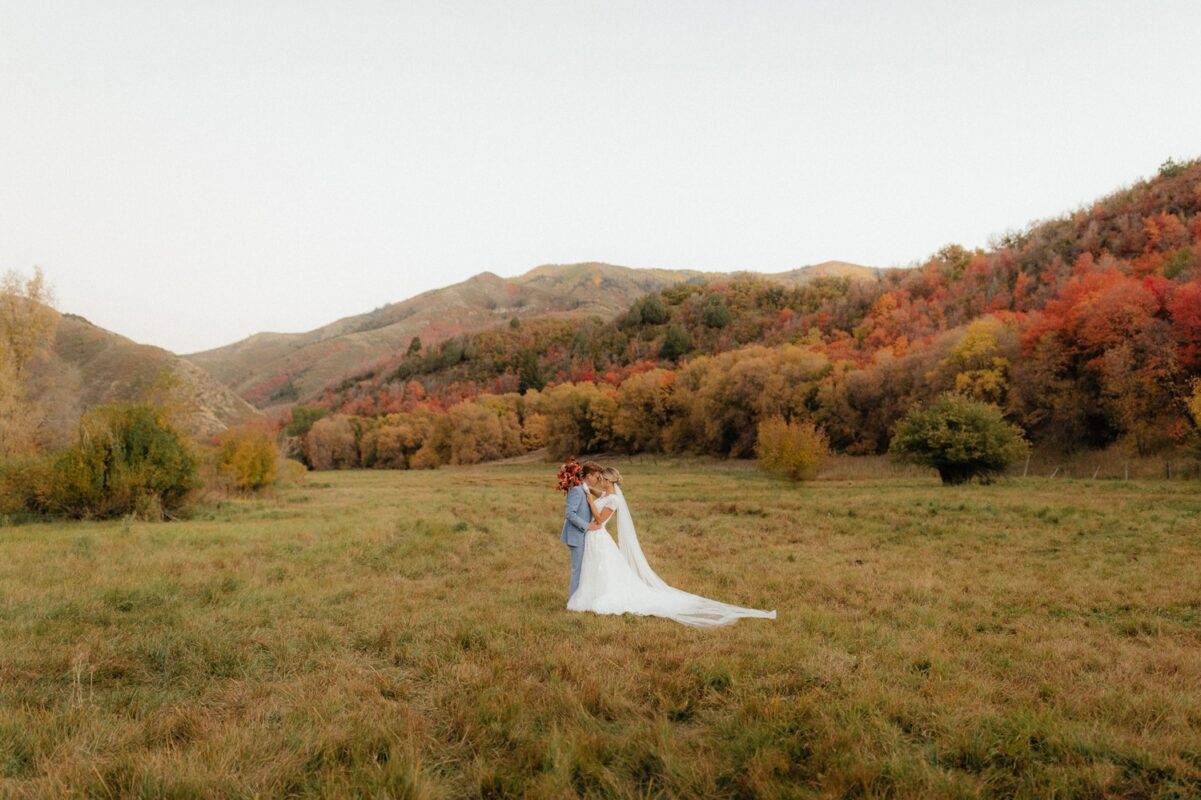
[{"x": 569, "y": 475}]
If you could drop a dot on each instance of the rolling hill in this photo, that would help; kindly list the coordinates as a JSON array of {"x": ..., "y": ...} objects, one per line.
[
  {"x": 89, "y": 366},
  {"x": 271, "y": 369}
]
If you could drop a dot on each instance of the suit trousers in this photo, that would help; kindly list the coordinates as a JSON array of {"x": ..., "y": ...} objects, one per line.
[{"x": 577, "y": 561}]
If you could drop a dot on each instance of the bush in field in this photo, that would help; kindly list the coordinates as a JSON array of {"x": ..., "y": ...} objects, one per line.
[
  {"x": 330, "y": 444},
  {"x": 247, "y": 458},
  {"x": 961, "y": 438},
  {"x": 794, "y": 449},
  {"x": 128, "y": 460},
  {"x": 291, "y": 472}
]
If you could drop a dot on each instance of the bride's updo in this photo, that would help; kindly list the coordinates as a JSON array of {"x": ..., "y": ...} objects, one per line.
[{"x": 611, "y": 475}]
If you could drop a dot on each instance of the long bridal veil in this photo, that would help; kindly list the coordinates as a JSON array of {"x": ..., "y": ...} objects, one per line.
[
  {"x": 683, "y": 607},
  {"x": 627, "y": 543}
]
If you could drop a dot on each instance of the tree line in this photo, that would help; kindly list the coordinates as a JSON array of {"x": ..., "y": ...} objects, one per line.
[{"x": 1085, "y": 330}]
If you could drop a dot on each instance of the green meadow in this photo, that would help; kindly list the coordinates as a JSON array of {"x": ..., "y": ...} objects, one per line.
[{"x": 403, "y": 634}]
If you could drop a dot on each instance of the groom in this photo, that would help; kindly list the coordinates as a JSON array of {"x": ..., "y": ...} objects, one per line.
[{"x": 578, "y": 519}]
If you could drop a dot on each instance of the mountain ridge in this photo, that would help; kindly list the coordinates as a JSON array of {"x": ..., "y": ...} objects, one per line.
[{"x": 271, "y": 369}]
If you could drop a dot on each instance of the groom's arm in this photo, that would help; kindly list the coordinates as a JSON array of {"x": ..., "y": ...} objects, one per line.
[{"x": 572, "y": 512}]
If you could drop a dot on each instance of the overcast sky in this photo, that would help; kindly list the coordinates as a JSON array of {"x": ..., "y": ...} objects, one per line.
[{"x": 189, "y": 173}]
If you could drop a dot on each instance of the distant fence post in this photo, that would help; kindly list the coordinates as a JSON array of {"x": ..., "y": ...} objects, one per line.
[{"x": 1126, "y": 467}]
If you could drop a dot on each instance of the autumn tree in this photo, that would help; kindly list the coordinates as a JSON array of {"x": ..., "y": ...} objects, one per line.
[
  {"x": 474, "y": 434},
  {"x": 1136, "y": 380},
  {"x": 507, "y": 409},
  {"x": 718, "y": 401},
  {"x": 395, "y": 439},
  {"x": 979, "y": 363},
  {"x": 643, "y": 411},
  {"x": 27, "y": 324},
  {"x": 247, "y": 458},
  {"x": 331, "y": 444},
  {"x": 793, "y": 448},
  {"x": 1193, "y": 405},
  {"x": 1185, "y": 310},
  {"x": 579, "y": 418},
  {"x": 534, "y": 430}
]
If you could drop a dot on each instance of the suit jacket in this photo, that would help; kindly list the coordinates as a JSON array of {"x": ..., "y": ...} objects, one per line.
[{"x": 576, "y": 518}]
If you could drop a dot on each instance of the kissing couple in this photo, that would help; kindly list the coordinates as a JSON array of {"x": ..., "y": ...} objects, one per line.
[{"x": 610, "y": 577}]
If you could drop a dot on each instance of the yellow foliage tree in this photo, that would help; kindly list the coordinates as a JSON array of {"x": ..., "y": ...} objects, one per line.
[
  {"x": 533, "y": 431},
  {"x": 579, "y": 418},
  {"x": 718, "y": 401},
  {"x": 248, "y": 457},
  {"x": 27, "y": 324},
  {"x": 981, "y": 372},
  {"x": 794, "y": 449},
  {"x": 1193, "y": 403},
  {"x": 643, "y": 410}
]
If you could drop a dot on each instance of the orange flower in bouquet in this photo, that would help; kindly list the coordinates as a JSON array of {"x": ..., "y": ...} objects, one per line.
[{"x": 569, "y": 475}]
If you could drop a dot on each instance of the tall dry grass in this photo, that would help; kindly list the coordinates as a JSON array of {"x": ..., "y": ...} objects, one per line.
[{"x": 403, "y": 634}]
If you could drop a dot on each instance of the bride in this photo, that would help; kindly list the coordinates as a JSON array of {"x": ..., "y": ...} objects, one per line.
[{"x": 616, "y": 579}]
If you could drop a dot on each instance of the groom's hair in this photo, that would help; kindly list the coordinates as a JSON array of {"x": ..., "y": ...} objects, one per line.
[{"x": 590, "y": 467}]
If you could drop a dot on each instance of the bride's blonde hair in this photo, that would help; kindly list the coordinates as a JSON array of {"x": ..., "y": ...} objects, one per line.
[{"x": 611, "y": 475}]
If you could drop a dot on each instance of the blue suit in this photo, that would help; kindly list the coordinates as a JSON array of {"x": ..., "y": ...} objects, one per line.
[{"x": 576, "y": 519}]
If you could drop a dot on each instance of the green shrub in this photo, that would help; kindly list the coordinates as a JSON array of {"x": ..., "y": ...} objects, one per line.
[
  {"x": 128, "y": 460},
  {"x": 303, "y": 418},
  {"x": 247, "y": 458},
  {"x": 961, "y": 438},
  {"x": 647, "y": 311},
  {"x": 676, "y": 343},
  {"x": 794, "y": 449},
  {"x": 717, "y": 312}
]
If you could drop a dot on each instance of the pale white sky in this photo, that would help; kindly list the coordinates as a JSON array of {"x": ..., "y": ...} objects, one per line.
[{"x": 188, "y": 173}]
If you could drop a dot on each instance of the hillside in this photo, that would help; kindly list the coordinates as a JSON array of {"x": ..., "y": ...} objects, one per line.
[
  {"x": 826, "y": 269},
  {"x": 1085, "y": 330},
  {"x": 90, "y": 366},
  {"x": 279, "y": 368}
]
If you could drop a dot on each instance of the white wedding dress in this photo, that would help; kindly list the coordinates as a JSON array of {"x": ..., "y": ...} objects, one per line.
[{"x": 616, "y": 579}]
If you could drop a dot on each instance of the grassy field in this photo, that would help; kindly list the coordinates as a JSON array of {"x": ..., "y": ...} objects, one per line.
[{"x": 403, "y": 634}]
